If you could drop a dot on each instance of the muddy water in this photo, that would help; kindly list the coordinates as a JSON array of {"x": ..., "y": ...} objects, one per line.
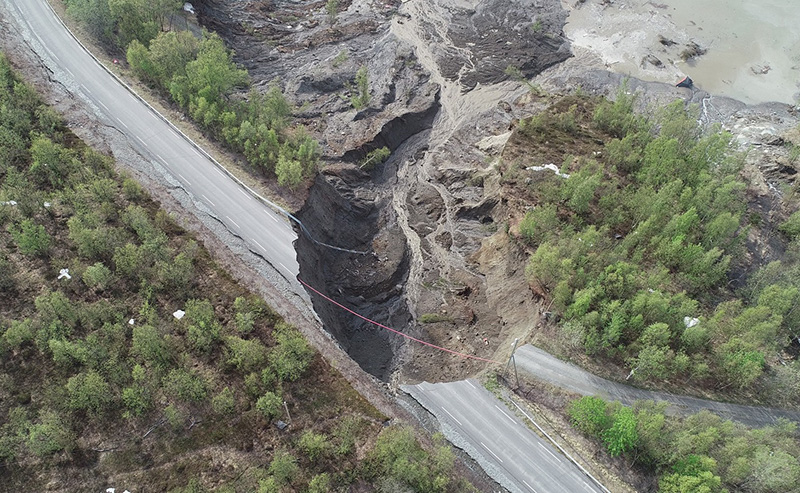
[{"x": 753, "y": 45}]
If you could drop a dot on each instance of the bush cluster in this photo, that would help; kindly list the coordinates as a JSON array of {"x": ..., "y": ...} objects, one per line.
[
  {"x": 200, "y": 76},
  {"x": 700, "y": 453}
]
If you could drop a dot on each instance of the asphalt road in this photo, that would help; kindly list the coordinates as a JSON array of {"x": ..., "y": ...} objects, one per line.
[
  {"x": 545, "y": 366},
  {"x": 496, "y": 438},
  {"x": 513, "y": 455},
  {"x": 266, "y": 232}
]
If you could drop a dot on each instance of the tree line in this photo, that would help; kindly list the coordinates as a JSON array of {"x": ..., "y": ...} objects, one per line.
[
  {"x": 199, "y": 75},
  {"x": 701, "y": 453}
]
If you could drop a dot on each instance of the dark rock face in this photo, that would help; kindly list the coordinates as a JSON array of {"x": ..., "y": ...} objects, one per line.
[
  {"x": 409, "y": 50},
  {"x": 346, "y": 209}
]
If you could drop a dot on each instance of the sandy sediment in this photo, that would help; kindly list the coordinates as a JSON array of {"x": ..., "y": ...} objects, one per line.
[{"x": 730, "y": 48}]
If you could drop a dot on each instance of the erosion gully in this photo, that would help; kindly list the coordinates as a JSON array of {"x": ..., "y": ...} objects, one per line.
[{"x": 436, "y": 69}]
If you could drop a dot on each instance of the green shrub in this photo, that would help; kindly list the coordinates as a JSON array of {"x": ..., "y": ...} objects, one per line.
[
  {"x": 31, "y": 238},
  {"x": 621, "y": 437},
  {"x": 89, "y": 392},
  {"x": 288, "y": 170},
  {"x": 397, "y": 456},
  {"x": 244, "y": 355},
  {"x": 137, "y": 400},
  {"x": 269, "y": 405},
  {"x": 292, "y": 355},
  {"x": 68, "y": 353},
  {"x": 361, "y": 96},
  {"x": 791, "y": 227},
  {"x": 283, "y": 467},
  {"x": 332, "y": 9},
  {"x": 203, "y": 330},
  {"x": 375, "y": 157},
  {"x": 187, "y": 386},
  {"x": 540, "y": 224},
  {"x": 321, "y": 483},
  {"x": 314, "y": 445},
  {"x": 19, "y": 333},
  {"x": 97, "y": 276},
  {"x": 149, "y": 345},
  {"x": 432, "y": 318},
  {"x": 49, "y": 435},
  {"x": 224, "y": 403},
  {"x": 174, "y": 416},
  {"x": 340, "y": 58},
  {"x": 589, "y": 415},
  {"x": 617, "y": 117}
]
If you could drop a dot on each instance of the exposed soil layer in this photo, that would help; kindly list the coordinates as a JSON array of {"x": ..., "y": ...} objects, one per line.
[
  {"x": 435, "y": 217},
  {"x": 421, "y": 57},
  {"x": 345, "y": 208}
]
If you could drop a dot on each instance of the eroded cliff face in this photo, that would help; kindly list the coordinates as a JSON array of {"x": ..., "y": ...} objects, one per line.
[
  {"x": 433, "y": 218},
  {"x": 437, "y": 85}
]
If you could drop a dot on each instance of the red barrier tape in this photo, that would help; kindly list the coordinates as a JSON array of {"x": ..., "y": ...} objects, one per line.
[{"x": 468, "y": 356}]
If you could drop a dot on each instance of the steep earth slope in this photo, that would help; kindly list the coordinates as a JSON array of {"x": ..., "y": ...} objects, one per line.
[
  {"x": 434, "y": 68},
  {"x": 432, "y": 219}
]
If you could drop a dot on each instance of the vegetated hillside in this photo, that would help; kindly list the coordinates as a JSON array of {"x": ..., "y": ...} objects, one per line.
[
  {"x": 196, "y": 73},
  {"x": 699, "y": 453},
  {"x": 642, "y": 250},
  {"x": 102, "y": 385}
]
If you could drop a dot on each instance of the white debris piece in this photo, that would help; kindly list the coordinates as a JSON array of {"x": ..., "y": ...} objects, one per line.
[
  {"x": 131, "y": 322},
  {"x": 10, "y": 202},
  {"x": 690, "y": 322},
  {"x": 64, "y": 273},
  {"x": 179, "y": 314},
  {"x": 47, "y": 204},
  {"x": 188, "y": 7},
  {"x": 550, "y": 166},
  {"x": 110, "y": 490}
]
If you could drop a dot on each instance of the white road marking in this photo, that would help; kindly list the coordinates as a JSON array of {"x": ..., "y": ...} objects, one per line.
[
  {"x": 470, "y": 384},
  {"x": 123, "y": 123},
  {"x": 454, "y": 418},
  {"x": 209, "y": 201},
  {"x": 504, "y": 414},
  {"x": 219, "y": 171},
  {"x": 70, "y": 72},
  {"x": 270, "y": 216},
  {"x": 529, "y": 486},
  {"x": 244, "y": 193},
  {"x": 184, "y": 179},
  {"x": 259, "y": 244},
  {"x": 548, "y": 451},
  {"x": 104, "y": 106},
  {"x": 142, "y": 141},
  {"x": 495, "y": 455},
  {"x": 285, "y": 268},
  {"x": 234, "y": 222}
]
